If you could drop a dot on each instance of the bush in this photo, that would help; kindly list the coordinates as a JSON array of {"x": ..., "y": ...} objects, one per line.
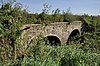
[{"x": 69, "y": 55}]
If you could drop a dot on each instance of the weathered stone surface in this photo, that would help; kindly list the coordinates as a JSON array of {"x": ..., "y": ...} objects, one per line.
[{"x": 61, "y": 30}]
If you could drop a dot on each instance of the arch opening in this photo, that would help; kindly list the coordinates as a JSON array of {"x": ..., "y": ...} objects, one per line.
[
  {"x": 73, "y": 36},
  {"x": 53, "y": 40}
]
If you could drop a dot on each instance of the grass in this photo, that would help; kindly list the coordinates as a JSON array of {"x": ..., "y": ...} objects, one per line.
[
  {"x": 70, "y": 55},
  {"x": 40, "y": 54}
]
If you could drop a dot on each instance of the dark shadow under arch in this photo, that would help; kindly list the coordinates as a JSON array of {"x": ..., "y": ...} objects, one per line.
[
  {"x": 53, "y": 40},
  {"x": 73, "y": 36}
]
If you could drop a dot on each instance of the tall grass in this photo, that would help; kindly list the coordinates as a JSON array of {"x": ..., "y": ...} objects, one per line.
[
  {"x": 40, "y": 54},
  {"x": 70, "y": 55},
  {"x": 15, "y": 51}
]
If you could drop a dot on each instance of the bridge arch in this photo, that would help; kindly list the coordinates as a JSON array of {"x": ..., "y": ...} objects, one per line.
[
  {"x": 73, "y": 35},
  {"x": 53, "y": 40}
]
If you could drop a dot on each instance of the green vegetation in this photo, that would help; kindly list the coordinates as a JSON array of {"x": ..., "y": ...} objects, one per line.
[{"x": 14, "y": 53}]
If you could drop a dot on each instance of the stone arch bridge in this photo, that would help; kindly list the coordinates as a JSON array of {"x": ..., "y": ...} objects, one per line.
[{"x": 59, "y": 32}]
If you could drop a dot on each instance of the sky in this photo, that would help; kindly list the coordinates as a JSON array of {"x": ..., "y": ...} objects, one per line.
[{"x": 91, "y": 7}]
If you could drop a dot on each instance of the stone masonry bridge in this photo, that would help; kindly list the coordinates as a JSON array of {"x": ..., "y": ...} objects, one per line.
[{"x": 59, "y": 32}]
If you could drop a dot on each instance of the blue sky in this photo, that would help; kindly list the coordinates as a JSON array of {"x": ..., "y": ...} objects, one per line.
[{"x": 91, "y": 7}]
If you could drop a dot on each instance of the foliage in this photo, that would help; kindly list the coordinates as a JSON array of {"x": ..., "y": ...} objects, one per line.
[
  {"x": 91, "y": 42},
  {"x": 9, "y": 30},
  {"x": 69, "y": 55},
  {"x": 13, "y": 52}
]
